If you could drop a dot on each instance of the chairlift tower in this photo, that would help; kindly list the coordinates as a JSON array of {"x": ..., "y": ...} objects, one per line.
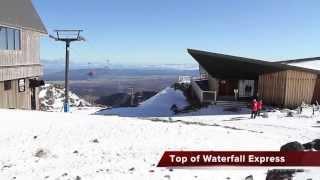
[{"x": 67, "y": 36}]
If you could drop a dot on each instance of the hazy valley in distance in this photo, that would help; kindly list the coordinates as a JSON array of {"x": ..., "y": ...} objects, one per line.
[{"x": 109, "y": 84}]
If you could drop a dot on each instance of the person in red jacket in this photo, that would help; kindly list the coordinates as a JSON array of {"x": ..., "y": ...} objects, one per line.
[
  {"x": 254, "y": 108},
  {"x": 260, "y": 105}
]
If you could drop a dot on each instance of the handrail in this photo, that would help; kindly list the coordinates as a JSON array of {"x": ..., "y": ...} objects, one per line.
[{"x": 199, "y": 92}]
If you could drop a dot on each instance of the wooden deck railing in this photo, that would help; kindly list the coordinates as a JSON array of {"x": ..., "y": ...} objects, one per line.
[{"x": 202, "y": 95}]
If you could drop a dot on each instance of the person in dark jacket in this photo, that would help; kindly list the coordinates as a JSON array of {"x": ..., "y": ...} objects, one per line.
[
  {"x": 174, "y": 108},
  {"x": 254, "y": 108}
]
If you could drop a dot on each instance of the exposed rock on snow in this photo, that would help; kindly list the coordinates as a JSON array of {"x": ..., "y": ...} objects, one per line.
[
  {"x": 51, "y": 98},
  {"x": 292, "y": 146}
]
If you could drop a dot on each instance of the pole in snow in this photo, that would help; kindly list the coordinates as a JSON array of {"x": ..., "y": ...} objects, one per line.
[{"x": 67, "y": 36}]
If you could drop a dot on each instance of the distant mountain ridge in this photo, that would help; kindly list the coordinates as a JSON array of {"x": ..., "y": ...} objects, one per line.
[{"x": 103, "y": 73}]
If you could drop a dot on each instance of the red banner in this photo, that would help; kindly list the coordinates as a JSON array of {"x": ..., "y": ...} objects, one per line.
[{"x": 239, "y": 158}]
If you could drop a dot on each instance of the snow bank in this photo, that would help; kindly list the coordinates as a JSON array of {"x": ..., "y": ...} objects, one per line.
[{"x": 158, "y": 105}]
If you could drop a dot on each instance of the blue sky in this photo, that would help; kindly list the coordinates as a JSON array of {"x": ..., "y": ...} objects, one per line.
[{"x": 159, "y": 32}]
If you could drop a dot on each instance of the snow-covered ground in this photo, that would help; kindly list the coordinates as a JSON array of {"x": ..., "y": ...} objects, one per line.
[
  {"x": 112, "y": 147},
  {"x": 77, "y": 146}
]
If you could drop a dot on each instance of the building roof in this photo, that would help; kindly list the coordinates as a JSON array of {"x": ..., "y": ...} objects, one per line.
[
  {"x": 299, "y": 60},
  {"x": 234, "y": 67},
  {"x": 20, "y": 14}
]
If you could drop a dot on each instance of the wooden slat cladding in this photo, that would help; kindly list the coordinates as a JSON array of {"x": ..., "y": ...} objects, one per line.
[
  {"x": 272, "y": 88},
  {"x": 13, "y": 98},
  {"x": 16, "y": 72},
  {"x": 300, "y": 87},
  {"x": 287, "y": 88},
  {"x": 29, "y": 53},
  {"x": 316, "y": 93}
]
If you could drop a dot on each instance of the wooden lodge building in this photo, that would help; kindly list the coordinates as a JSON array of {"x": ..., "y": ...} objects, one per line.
[
  {"x": 225, "y": 77},
  {"x": 20, "y": 31}
]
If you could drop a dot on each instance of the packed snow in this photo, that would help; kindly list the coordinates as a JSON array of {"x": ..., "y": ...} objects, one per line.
[
  {"x": 50, "y": 145},
  {"x": 158, "y": 105},
  {"x": 76, "y": 146}
]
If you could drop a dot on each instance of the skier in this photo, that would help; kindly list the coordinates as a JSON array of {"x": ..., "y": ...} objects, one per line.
[
  {"x": 260, "y": 105},
  {"x": 254, "y": 108},
  {"x": 174, "y": 108}
]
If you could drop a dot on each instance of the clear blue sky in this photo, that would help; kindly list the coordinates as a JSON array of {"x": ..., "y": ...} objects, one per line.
[{"x": 150, "y": 31}]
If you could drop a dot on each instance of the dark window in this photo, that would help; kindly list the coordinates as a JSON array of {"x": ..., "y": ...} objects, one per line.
[
  {"x": 10, "y": 39},
  {"x": 10, "y": 34},
  {"x": 3, "y": 38},
  {"x": 7, "y": 85}
]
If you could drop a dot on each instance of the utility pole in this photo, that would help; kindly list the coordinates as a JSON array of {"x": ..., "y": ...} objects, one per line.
[
  {"x": 67, "y": 36},
  {"x": 131, "y": 94}
]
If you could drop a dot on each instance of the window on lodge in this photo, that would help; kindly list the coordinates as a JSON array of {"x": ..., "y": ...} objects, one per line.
[
  {"x": 7, "y": 85},
  {"x": 10, "y": 39}
]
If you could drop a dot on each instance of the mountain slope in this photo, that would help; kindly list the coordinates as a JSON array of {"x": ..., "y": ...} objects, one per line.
[
  {"x": 158, "y": 105},
  {"x": 51, "y": 98}
]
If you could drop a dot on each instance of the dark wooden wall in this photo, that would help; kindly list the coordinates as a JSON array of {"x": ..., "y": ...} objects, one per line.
[
  {"x": 299, "y": 88},
  {"x": 272, "y": 88},
  {"x": 316, "y": 93},
  {"x": 287, "y": 88}
]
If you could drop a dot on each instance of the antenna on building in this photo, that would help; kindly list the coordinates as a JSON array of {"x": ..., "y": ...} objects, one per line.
[{"x": 67, "y": 36}]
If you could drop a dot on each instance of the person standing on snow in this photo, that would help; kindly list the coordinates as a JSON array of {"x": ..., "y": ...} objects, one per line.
[
  {"x": 260, "y": 105},
  {"x": 254, "y": 108}
]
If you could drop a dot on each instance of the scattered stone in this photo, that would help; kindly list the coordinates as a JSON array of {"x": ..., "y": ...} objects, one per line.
[
  {"x": 75, "y": 152},
  {"x": 151, "y": 171},
  {"x": 170, "y": 169},
  {"x": 41, "y": 153},
  {"x": 309, "y": 145},
  {"x": 280, "y": 174},
  {"x": 6, "y": 166},
  {"x": 131, "y": 169},
  {"x": 46, "y": 177},
  {"x": 316, "y": 144},
  {"x": 265, "y": 115},
  {"x": 78, "y": 178},
  {"x": 14, "y": 177},
  {"x": 65, "y": 174},
  {"x": 249, "y": 177},
  {"x": 35, "y": 137},
  {"x": 292, "y": 146},
  {"x": 167, "y": 176},
  {"x": 290, "y": 114},
  {"x": 95, "y": 141}
]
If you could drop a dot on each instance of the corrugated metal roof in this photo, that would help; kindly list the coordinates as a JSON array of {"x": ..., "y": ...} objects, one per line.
[{"x": 20, "y": 14}]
